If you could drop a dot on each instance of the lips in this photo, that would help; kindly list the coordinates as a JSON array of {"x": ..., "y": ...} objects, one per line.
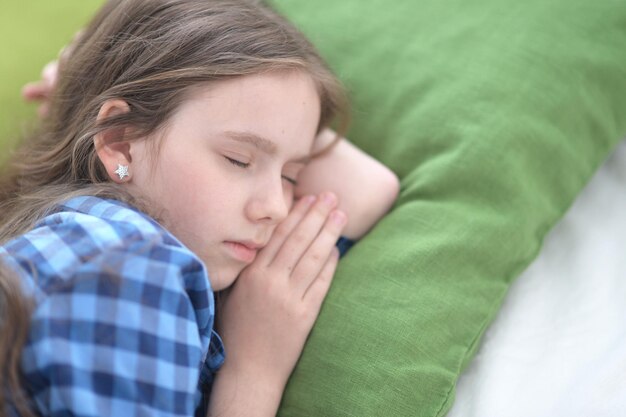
[{"x": 244, "y": 251}]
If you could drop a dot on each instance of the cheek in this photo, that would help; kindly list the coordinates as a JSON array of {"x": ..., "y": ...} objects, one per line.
[
  {"x": 289, "y": 199},
  {"x": 198, "y": 205},
  {"x": 192, "y": 198}
]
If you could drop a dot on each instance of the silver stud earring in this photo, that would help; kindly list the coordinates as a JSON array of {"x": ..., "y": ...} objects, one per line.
[{"x": 122, "y": 171}]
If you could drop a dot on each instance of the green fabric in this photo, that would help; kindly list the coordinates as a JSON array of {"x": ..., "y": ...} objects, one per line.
[{"x": 494, "y": 113}]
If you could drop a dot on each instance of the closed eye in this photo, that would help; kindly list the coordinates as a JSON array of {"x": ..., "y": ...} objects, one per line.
[
  {"x": 246, "y": 165},
  {"x": 290, "y": 180},
  {"x": 237, "y": 163}
]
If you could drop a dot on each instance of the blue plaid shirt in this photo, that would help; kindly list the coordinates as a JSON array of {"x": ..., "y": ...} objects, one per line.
[{"x": 123, "y": 323}]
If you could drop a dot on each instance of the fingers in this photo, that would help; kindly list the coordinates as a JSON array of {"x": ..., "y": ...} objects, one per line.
[
  {"x": 36, "y": 91},
  {"x": 284, "y": 229},
  {"x": 304, "y": 233},
  {"x": 317, "y": 290},
  {"x": 49, "y": 72},
  {"x": 40, "y": 91},
  {"x": 313, "y": 260}
]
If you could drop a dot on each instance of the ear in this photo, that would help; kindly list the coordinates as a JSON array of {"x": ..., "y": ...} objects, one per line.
[{"x": 113, "y": 151}]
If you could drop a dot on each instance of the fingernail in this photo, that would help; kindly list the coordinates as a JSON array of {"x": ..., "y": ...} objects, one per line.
[
  {"x": 338, "y": 217},
  {"x": 329, "y": 198},
  {"x": 309, "y": 199}
]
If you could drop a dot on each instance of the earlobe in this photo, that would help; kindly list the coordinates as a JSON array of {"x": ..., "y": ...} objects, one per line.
[
  {"x": 112, "y": 149},
  {"x": 122, "y": 171}
]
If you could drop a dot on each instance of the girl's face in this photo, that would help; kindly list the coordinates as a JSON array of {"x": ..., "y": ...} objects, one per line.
[{"x": 225, "y": 168}]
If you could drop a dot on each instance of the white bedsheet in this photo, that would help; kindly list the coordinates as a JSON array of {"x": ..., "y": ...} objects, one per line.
[{"x": 558, "y": 345}]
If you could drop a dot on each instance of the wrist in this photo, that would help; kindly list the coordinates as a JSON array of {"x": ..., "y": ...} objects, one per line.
[{"x": 250, "y": 391}]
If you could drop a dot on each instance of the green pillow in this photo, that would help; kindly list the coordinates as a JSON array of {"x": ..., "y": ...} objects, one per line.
[{"x": 494, "y": 114}]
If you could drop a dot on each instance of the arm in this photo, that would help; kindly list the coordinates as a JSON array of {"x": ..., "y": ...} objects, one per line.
[{"x": 365, "y": 187}]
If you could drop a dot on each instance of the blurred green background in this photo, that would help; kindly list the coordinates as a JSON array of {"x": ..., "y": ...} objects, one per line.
[{"x": 31, "y": 34}]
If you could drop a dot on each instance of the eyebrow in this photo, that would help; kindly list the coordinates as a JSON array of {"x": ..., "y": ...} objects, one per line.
[{"x": 261, "y": 143}]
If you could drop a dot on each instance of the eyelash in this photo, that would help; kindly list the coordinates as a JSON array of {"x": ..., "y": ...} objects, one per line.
[
  {"x": 237, "y": 163},
  {"x": 245, "y": 165}
]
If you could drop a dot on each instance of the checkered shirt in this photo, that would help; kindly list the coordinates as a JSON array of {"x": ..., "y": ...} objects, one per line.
[{"x": 123, "y": 323}]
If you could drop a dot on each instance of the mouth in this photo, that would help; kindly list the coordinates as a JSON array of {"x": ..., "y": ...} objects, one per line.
[{"x": 244, "y": 251}]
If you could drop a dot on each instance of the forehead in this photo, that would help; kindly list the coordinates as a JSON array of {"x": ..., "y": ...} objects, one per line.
[{"x": 276, "y": 111}]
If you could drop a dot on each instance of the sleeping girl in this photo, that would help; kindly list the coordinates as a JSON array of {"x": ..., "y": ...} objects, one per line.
[{"x": 169, "y": 234}]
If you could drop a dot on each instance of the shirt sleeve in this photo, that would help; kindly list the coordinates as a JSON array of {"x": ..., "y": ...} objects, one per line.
[
  {"x": 344, "y": 244},
  {"x": 120, "y": 338}
]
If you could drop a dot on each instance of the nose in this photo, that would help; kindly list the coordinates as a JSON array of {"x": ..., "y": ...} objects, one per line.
[{"x": 269, "y": 202}]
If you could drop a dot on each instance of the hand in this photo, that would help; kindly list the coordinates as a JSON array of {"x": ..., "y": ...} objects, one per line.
[
  {"x": 40, "y": 91},
  {"x": 271, "y": 308}
]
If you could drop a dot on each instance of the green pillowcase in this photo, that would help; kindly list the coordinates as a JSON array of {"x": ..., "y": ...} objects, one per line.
[{"x": 494, "y": 114}]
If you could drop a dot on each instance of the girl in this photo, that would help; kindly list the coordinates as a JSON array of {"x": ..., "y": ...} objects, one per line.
[{"x": 178, "y": 137}]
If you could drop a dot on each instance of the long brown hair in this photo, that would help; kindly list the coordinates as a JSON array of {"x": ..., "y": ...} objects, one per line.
[{"x": 149, "y": 54}]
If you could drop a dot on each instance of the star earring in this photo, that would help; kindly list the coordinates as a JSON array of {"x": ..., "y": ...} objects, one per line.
[{"x": 122, "y": 171}]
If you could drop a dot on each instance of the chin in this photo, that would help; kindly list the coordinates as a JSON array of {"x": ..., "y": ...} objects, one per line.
[{"x": 224, "y": 277}]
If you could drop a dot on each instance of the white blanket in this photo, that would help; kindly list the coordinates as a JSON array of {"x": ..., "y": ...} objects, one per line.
[{"x": 558, "y": 345}]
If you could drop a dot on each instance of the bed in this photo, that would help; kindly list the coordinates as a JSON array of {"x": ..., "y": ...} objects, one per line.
[
  {"x": 495, "y": 114},
  {"x": 556, "y": 347}
]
